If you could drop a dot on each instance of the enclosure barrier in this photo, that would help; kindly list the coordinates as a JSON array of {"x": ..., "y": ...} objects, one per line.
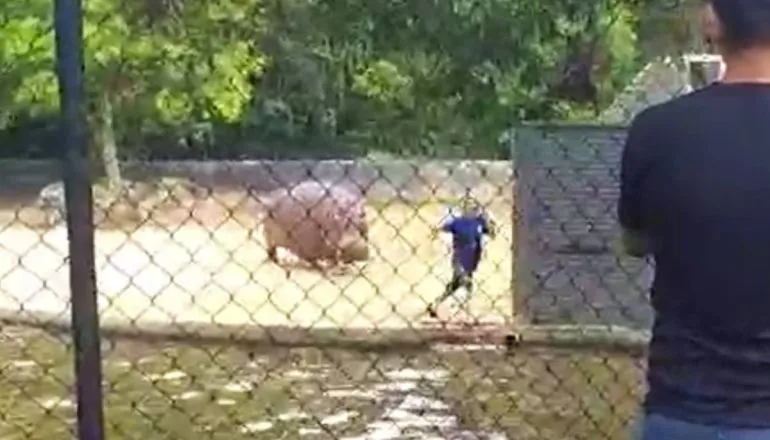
[
  {"x": 198, "y": 320},
  {"x": 288, "y": 296},
  {"x": 202, "y": 325}
]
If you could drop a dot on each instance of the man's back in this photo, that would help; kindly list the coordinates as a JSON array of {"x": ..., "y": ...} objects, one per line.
[
  {"x": 467, "y": 231},
  {"x": 697, "y": 184}
]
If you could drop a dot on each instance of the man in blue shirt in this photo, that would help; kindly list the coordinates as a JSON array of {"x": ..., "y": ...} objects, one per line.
[
  {"x": 467, "y": 230},
  {"x": 695, "y": 195}
]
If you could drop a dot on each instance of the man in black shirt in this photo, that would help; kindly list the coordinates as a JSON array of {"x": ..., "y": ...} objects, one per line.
[{"x": 695, "y": 195}]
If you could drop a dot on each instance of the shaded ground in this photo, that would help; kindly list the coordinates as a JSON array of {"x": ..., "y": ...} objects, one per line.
[
  {"x": 184, "y": 391},
  {"x": 203, "y": 261}
]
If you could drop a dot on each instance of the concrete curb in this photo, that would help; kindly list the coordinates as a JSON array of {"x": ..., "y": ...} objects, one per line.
[{"x": 418, "y": 337}]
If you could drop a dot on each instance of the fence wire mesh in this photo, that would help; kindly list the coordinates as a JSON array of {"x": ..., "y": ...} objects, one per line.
[{"x": 272, "y": 187}]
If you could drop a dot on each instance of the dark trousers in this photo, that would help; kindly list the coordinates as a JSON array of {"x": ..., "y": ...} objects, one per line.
[
  {"x": 462, "y": 277},
  {"x": 658, "y": 427}
]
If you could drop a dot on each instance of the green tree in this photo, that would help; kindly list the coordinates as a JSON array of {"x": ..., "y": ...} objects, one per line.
[
  {"x": 432, "y": 77},
  {"x": 145, "y": 67},
  {"x": 444, "y": 77}
]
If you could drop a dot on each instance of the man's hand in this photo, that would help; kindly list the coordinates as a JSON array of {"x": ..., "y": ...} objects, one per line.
[{"x": 634, "y": 244}]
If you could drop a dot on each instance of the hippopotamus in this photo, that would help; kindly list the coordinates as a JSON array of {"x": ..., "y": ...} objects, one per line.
[{"x": 316, "y": 221}]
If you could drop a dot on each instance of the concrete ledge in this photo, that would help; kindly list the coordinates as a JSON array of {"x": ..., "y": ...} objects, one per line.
[
  {"x": 422, "y": 337},
  {"x": 273, "y": 335},
  {"x": 615, "y": 338}
]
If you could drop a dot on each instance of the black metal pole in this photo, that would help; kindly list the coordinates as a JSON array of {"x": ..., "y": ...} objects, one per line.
[{"x": 68, "y": 25}]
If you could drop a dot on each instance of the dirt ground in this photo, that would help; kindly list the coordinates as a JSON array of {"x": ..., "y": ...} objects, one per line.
[{"x": 203, "y": 261}]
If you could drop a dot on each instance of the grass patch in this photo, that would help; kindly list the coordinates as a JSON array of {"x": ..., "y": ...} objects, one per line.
[
  {"x": 547, "y": 394},
  {"x": 175, "y": 392},
  {"x": 187, "y": 391}
]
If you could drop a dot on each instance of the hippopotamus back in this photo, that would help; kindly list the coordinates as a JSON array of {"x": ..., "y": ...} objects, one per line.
[{"x": 316, "y": 221}]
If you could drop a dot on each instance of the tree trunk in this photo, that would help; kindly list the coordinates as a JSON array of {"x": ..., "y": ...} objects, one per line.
[{"x": 106, "y": 142}]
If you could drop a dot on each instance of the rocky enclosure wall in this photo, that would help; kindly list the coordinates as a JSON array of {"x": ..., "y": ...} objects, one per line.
[{"x": 413, "y": 181}]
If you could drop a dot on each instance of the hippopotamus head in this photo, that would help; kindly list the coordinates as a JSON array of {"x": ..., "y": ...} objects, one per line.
[{"x": 354, "y": 246}]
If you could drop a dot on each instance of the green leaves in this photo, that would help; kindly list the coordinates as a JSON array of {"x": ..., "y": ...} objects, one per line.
[
  {"x": 191, "y": 65},
  {"x": 428, "y": 77},
  {"x": 382, "y": 81},
  {"x": 27, "y": 82}
]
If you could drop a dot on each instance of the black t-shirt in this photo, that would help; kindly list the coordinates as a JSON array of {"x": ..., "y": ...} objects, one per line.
[{"x": 695, "y": 180}]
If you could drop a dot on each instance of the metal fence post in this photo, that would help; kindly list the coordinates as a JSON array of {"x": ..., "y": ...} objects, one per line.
[
  {"x": 514, "y": 229},
  {"x": 517, "y": 282},
  {"x": 68, "y": 22}
]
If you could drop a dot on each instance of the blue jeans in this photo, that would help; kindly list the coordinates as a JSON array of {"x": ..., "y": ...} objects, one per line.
[{"x": 657, "y": 427}]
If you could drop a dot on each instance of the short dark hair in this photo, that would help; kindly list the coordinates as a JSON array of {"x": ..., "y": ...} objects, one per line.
[{"x": 745, "y": 23}]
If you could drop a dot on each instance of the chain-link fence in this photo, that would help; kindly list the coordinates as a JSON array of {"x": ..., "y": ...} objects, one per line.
[
  {"x": 570, "y": 269},
  {"x": 258, "y": 206}
]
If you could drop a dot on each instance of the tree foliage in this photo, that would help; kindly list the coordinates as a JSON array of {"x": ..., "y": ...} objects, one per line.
[{"x": 234, "y": 78}]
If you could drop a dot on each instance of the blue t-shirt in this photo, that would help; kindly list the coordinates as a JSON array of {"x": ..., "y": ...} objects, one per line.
[
  {"x": 695, "y": 181},
  {"x": 467, "y": 239}
]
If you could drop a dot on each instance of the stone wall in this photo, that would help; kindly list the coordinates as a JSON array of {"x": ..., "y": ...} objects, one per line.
[
  {"x": 567, "y": 268},
  {"x": 382, "y": 180}
]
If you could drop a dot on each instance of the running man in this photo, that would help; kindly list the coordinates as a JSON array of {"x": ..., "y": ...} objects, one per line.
[{"x": 467, "y": 230}]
